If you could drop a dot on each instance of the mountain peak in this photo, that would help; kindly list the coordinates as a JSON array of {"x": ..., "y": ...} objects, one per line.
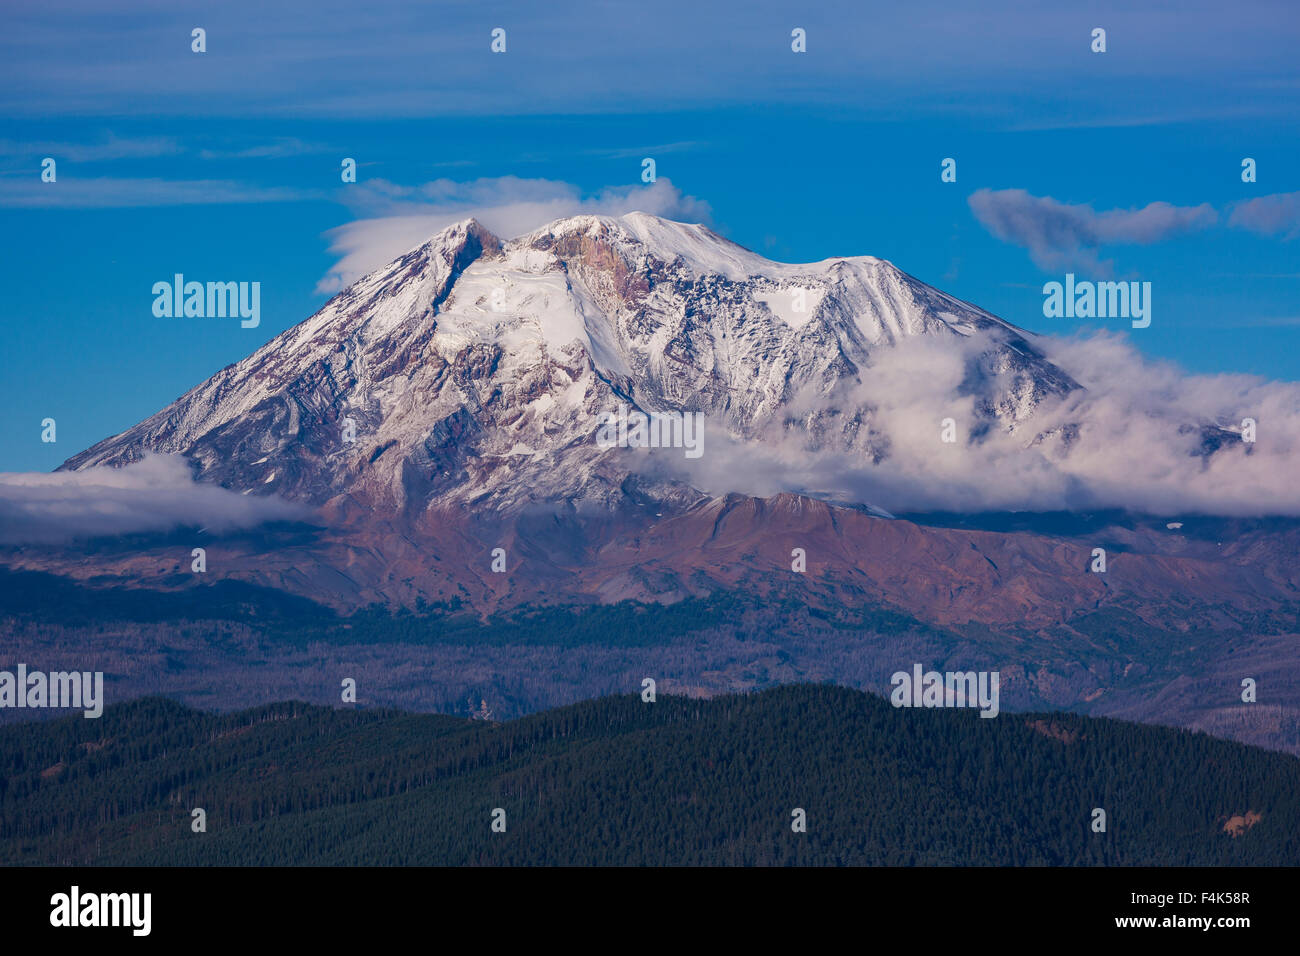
[
  {"x": 702, "y": 250},
  {"x": 473, "y": 369},
  {"x": 467, "y": 233}
]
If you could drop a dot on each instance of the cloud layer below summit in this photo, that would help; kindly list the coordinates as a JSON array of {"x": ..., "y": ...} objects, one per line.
[
  {"x": 1134, "y": 449},
  {"x": 153, "y": 495}
]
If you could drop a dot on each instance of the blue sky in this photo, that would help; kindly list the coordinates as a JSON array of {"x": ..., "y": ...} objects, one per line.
[{"x": 225, "y": 165}]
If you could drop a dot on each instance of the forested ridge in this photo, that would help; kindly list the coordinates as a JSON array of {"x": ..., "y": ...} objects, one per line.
[{"x": 619, "y": 781}]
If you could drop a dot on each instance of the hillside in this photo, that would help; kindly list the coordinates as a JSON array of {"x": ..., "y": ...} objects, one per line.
[{"x": 619, "y": 781}]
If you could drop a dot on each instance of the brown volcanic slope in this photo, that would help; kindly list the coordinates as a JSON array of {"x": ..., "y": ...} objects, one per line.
[
  {"x": 941, "y": 575},
  {"x": 1165, "y": 635}
]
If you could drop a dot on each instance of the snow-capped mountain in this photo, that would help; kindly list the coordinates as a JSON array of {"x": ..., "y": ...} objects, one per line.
[{"x": 476, "y": 370}]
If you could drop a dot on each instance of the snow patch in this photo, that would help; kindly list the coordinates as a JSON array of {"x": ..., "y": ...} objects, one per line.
[{"x": 782, "y": 302}]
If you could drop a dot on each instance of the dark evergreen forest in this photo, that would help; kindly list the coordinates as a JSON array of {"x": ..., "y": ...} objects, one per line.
[{"x": 619, "y": 781}]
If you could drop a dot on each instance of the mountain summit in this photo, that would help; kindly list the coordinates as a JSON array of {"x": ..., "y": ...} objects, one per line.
[{"x": 476, "y": 370}]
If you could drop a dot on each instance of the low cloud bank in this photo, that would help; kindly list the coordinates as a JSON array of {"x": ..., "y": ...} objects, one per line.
[
  {"x": 1132, "y": 438},
  {"x": 152, "y": 495}
]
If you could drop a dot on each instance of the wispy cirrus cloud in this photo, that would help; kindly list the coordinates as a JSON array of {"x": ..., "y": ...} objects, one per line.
[
  {"x": 1275, "y": 215},
  {"x": 112, "y": 192},
  {"x": 319, "y": 58},
  {"x": 111, "y": 147},
  {"x": 22, "y": 187},
  {"x": 1060, "y": 235},
  {"x": 276, "y": 149},
  {"x": 108, "y": 147},
  {"x": 399, "y": 217}
]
